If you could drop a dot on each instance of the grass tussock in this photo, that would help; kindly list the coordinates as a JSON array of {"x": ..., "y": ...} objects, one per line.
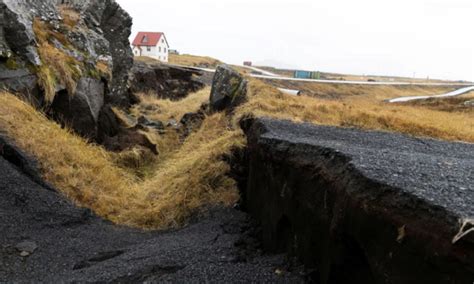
[
  {"x": 165, "y": 109},
  {"x": 57, "y": 66},
  {"x": 84, "y": 172},
  {"x": 360, "y": 112},
  {"x": 70, "y": 15},
  {"x": 103, "y": 68},
  {"x": 190, "y": 178},
  {"x": 194, "y": 175}
]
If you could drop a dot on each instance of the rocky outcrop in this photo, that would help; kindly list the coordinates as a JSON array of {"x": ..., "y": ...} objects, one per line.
[
  {"x": 229, "y": 89},
  {"x": 166, "y": 81},
  {"x": 119, "y": 135},
  {"x": 192, "y": 121},
  {"x": 69, "y": 54},
  {"x": 127, "y": 138},
  {"x": 81, "y": 111},
  {"x": 363, "y": 207}
]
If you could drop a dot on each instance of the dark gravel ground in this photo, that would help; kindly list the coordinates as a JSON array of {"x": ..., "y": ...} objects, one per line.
[
  {"x": 437, "y": 172},
  {"x": 61, "y": 243}
]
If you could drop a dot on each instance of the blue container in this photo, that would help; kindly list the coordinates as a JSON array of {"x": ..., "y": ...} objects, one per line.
[{"x": 303, "y": 74}]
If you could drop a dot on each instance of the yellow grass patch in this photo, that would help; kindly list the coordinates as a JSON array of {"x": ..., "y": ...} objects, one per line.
[
  {"x": 361, "y": 112},
  {"x": 193, "y": 60},
  {"x": 193, "y": 177},
  {"x": 70, "y": 16},
  {"x": 373, "y": 92},
  {"x": 57, "y": 66},
  {"x": 164, "y": 109}
]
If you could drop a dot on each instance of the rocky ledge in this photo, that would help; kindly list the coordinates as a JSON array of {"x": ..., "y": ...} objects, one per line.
[
  {"x": 164, "y": 80},
  {"x": 363, "y": 207},
  {"x": 69, "y": 57}
]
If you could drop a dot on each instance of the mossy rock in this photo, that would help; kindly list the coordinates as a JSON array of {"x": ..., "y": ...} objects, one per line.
[{"x": 229, "y": 89}]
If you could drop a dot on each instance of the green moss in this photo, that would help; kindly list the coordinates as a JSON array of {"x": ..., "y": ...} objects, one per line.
[
  {"x": 236, "y": 91},
  {"x": 93, "y": 73},
  {"x": 11, "y": 63}
]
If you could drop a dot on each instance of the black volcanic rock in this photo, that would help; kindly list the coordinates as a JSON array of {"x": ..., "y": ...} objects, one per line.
[
  {"x": 163, "y": 80},
  {"x": 229, "y": 89},
  {"x": 100, "y": 35},
  {"x": 360, "y": 206},
  {"x": 46, "y": 239}
]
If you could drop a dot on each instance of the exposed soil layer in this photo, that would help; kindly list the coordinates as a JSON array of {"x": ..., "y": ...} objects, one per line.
[
  {"x": 362, "y": 207},
  {"x": 47, "y": 239},
  {"x": 163, "y": 80}
]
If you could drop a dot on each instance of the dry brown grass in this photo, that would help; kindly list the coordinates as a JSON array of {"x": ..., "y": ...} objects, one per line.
[
  {"x": 191, "y": 178},
  {"x": 453, "y": 104},
  {"x": 70, "y": 16},
  {"x": 361, "y": 112},
  {"x": 193, "y": 60},
  {"x": 165, "y": 109},
  {"x": 57, "y": 66},
  {"x": 103, "y": 68},
  {"x": 133, "y": 189},
  {"x": 194, "y": 175},
  {"x": 373, "y": 92},
  {"x": 84, "y": 172}
]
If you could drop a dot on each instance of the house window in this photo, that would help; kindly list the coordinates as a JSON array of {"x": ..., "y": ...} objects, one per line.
[
  {"x": 163, "y": 40},
  {"x": 145, "y": 39},
  {"x": 159, "y": 49},
  {"x": 165, "y": 49},
  {"x": 148, "y": 48}
]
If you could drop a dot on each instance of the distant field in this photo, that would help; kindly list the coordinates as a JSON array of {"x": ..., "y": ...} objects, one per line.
[
  {"x": 348, "y": 77},
  {"x": 366, "y": 110},
  {"x": 193, "y": 60},
  {"x": 361, "y": 106},
  {"x": 463, "y": 103},
  {"x": 377, "y": 92}
]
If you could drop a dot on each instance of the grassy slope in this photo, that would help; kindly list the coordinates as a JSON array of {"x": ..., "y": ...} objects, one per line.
[
  {"x": 191, "y": 177},
  {"x": 361, "y": 111},
  {"x": 193, "y": 60},
  {"x": 376, "y": 92}
]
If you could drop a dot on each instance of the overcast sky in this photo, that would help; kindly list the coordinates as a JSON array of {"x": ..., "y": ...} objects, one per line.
[{"x": 432, "y": 38}]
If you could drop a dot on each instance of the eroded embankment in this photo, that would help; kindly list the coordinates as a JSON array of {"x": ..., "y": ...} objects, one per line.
[{"x": 362, "y": 207}]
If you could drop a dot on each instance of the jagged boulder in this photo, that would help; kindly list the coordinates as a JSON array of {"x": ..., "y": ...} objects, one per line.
[
  {"x": 192, "y": 121},
  {"x": 166, "y": 81},
  {"x": 145, "y": 122},
  {"x": 69, "y": 54},
  {"x": 229, "y": 89},
  {"x": 81, "y": 110}
]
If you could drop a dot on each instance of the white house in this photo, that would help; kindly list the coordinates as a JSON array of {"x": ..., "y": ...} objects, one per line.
[{"x": 151, "y": 44}]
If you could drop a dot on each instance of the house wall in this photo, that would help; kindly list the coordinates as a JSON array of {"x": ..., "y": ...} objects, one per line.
[
  {"x": 162, "y": 50},
  {"x": 136, "y": 51},
  {"x": 150, "y": 51}
]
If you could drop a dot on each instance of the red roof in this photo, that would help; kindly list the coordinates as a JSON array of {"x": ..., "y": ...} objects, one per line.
[{"x": 147, "y": 39}]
